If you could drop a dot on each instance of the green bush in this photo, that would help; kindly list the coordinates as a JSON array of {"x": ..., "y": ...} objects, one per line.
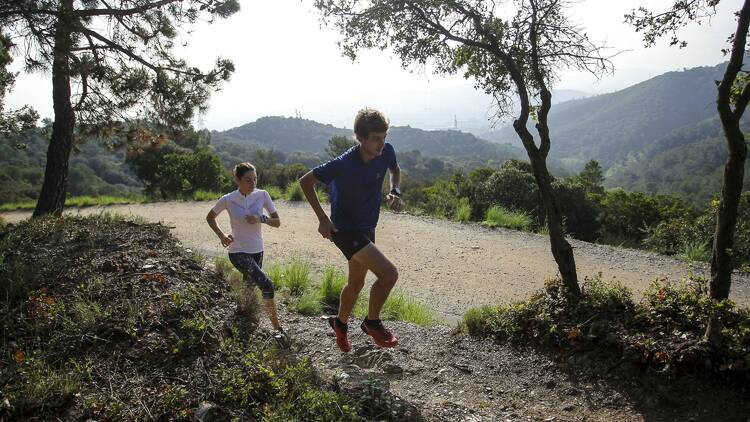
[
  {"x": 498, "y": 216},
  {"x": 510, "y": 188}
]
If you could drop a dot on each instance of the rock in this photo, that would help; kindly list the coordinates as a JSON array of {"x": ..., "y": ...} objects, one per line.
[
  {"x": 569, "y": 408},
  {"x": 393, "y": 369},
  {"x": 210, "y": 412},
  {"x": 550, "y": 384}
]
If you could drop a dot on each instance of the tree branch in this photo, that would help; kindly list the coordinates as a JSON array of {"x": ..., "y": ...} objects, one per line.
[{"x": 124, "y": 12}]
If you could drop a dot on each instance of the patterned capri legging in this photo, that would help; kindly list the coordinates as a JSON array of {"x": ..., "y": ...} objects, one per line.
[{"x": 250, "y": 267}]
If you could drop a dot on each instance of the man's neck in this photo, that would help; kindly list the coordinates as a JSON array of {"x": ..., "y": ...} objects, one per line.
[{"x": 364, "y": 156}]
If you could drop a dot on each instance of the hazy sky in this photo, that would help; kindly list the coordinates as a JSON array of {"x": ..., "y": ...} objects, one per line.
[{"x": 286, "y": 61}]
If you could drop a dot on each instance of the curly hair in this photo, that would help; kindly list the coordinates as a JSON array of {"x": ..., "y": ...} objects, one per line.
[{"x": 369, "y": 120}]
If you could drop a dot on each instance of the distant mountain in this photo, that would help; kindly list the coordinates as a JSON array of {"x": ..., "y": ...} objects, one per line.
[
  {"x": 288, "y": 135},
  {"x": 689, "y": 161},
  {"x": 609, "y": 127}
]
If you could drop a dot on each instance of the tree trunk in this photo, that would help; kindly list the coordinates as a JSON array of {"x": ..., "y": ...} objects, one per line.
[
  {"x": 52, "y": 197},
  {"x": 734, "y": 173},
  {"x": 561, "y": 249}
]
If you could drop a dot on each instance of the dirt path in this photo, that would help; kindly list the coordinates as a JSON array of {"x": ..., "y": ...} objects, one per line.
[{"x": 447, "y": 265}]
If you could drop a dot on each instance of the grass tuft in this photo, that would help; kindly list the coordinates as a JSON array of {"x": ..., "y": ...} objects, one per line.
[
  {"x": 498, "y": 216},
  {"x": 294, "y": 192},
  {"x": 695, "y": 251},
  {"x": 202, "y": 195},
  {"x": 463, "y": 211},
  {"x": 330, "y": 289},
  {"x": 401, "y": 307}
]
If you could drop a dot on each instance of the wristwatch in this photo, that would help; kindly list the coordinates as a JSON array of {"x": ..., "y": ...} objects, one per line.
[{"x": 396, "y": 191}]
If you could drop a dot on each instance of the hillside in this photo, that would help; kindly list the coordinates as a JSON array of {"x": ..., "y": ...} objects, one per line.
[
  {"x": 293, "y": 134},
  {"x": 689, "y": 162},
  {"x": 609, "y": 127},
  {"x": 94, "y": 169}
]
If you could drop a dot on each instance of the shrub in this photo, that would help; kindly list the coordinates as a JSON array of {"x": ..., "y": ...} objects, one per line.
[
  {"x": 628, "y": 214},
  {"x": 510, "y": 188},
  {"x": 498, "y": 216}
]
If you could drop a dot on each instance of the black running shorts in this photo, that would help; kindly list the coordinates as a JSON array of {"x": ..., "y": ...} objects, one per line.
[{"x": 352, "y": 241}]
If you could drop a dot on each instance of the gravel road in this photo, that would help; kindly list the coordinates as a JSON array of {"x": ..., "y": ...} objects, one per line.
[{"x": 449, "y": 266}]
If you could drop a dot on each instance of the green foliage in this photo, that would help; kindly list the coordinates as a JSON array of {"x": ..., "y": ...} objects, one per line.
[
  {"x": 684, "y": 304},
  {"x": 511, "y": 188},
  {"x": 202, "y": 195},
  {"x": 695, "y": 252},
  {"x": 628, "y": 214},
  {"x": 337, "y": 145},
  {"x": 275, "y": 192},
  {"x": 330, "y": 289},
  {"x": 294, "y": 276},
  {"x": 400, "y": 307},
  {"x": 656, "y": 331},
  {"x": 500, "y": 217},
  {"x": 294, "y": 192},
  {"x": 184, "y": 174},
  {"x": 441, "y": 199},
  {"x": 463, "y": 212},
  {"x": 309, "y": 303},
  {"x": 40, "y": 386},
  {"x": 551, "y": 314},
  {"x": 79, "y": 201},
  {"x": 82, "y": 299},
  {"x": 580, "y": 213}
]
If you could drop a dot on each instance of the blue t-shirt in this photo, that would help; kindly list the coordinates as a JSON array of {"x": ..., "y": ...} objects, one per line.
[{"x": 356, "y": 187}]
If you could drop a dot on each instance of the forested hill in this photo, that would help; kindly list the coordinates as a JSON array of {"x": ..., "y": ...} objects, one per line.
[
  {"x": 609, "y": 127},
  {"x": 688, "y": 161},
  {"x": 287, "y": 134}
]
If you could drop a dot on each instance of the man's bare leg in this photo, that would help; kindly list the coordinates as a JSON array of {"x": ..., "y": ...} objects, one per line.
[
  {"x": 372, "y": 259},
  {"x": 350, "y": 292}
]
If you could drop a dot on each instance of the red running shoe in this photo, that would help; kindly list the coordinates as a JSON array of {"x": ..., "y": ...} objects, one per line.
[
  {"x": 380, "y": 335},
  {"x": 340, "y": 332}
]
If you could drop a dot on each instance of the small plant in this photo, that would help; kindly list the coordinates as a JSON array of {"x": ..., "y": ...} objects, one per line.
[
  {"x": 294, "y": 192},
  {"x": 309, "y": 303},
  {"x": 477, "y": 321},
  {"x": 463, "y": 211},
  {"x": 695, "y": 251},
  {"x": 401, "y": 307},
  {"x": 330, "y": 290},
  {"x": 223, "y": 266},
  {"x": 274, "y": 191},
  {"x": 498, "y": 216},
  {"x": 202, "y": 195},
  {"x": 296, "y": 276}
]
